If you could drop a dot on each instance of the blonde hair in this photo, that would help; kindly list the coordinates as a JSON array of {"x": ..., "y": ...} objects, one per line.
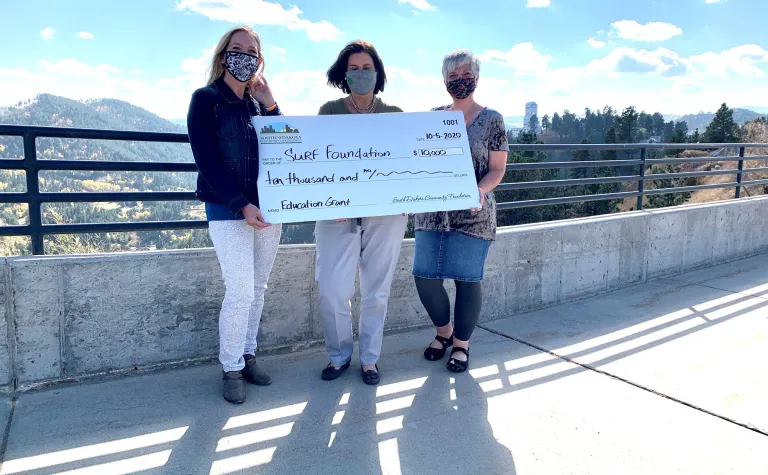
[{"x": 216, "y": 70}]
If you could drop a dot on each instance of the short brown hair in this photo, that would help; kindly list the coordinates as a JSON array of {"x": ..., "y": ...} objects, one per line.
[{"x": 337, "y": 73}]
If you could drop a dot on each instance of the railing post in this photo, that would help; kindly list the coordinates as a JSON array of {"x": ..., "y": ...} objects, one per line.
[
  {"x": 641, "y": 181},
  {"x": 740, "y": 176},
  {"x": 33, "y": 193}
]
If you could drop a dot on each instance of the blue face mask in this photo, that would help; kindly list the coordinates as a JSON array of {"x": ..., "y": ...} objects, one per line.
[{"x": 362, "y": 81}]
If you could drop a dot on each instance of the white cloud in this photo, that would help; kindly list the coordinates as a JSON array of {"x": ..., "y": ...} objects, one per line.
[
  {"x": 302, "y": 92},
  {"x": 596, "y": 43},
  {"x": 47, "y": 33},
  {"x": 84, "y": 35},
  {"x": 650, "y": 32},
  {"x": 655, "y": 79},
  {"x": 538, "y": 3},
  {"x": 420, "y": 51},
  {"x": 659, "y": 62},
  {"x": 740, "y": 61},
  {"x": 277, "y": 52},
  {"x": 137, "y": 71},
  {"x": 418, "y": 4},
  {"x": 523, "y": 58},
  {"x": 261, "y": 12},
  {"x": 198, "y": 66},
  {"x": 713, "y": 1}
]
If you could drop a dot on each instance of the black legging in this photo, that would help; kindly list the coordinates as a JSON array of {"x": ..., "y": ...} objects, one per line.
[{"x": 469, "y": 300}]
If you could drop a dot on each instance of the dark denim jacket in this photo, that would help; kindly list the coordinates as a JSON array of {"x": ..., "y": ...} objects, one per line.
[{"x": 225, "y": 145}]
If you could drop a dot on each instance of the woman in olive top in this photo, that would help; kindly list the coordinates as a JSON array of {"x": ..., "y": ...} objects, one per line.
[{"x": 371, "y": 245}]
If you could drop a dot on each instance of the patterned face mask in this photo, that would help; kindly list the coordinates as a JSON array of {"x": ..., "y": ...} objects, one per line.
[
  {"x": 461, "y": 88},
  {"x": 242, "y": 66}
]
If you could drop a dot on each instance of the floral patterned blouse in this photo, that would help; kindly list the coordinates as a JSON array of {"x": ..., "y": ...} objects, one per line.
[{"x": 486, "y": 133}]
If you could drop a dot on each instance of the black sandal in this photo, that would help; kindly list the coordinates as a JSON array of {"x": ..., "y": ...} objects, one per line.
[
  {"x": 434, "y": 354},
  {"x": 458, "y": 366},
  {"x": 330, "y": 372},
  {"x": 371, "y": 377}
]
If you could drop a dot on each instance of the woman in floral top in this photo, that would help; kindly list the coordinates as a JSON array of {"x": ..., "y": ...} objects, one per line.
[{"x": 454, "y": 244}]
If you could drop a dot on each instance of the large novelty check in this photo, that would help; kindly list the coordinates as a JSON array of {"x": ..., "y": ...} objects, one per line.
[{"x": 347, "y": 166}]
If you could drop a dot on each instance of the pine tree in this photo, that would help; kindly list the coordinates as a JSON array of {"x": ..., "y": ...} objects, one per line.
[
  {"x": 545, "y": 123},
  {"x": 695, "y": 137},
  {"x": 669, "y": 199},
  {"x": 533, "y": 124},
  {"x": 581, "y": 156},
  {"x": 658, "y": 124},
  {"x": 723, "y": 128},
  {"x": 557, "y": 124},
  {"x": 628, "y": 126}
]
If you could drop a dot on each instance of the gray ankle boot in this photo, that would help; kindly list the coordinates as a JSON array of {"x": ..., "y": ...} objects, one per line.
[
  {"x": 234, "y": 387},
  {"x": 253, "y": 374}
]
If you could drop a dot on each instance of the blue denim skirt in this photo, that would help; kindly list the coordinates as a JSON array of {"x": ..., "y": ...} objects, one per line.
[{"x": 450, "y": 255}]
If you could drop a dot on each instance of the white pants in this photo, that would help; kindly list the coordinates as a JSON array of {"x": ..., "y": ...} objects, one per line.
[
  {"x": 246, "y": 256},
  {"x": 342, "y": 247}
]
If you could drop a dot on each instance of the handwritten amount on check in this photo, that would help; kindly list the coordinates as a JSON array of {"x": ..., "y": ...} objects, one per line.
[{"x": 367, "y": 175}]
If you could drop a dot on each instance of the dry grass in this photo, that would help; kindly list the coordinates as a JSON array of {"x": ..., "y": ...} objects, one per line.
[{"x": 755, "y": 133}]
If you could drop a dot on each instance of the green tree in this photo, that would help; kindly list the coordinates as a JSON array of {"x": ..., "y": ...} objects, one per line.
[
  {"x": 669, "y": 131},
  {"x": 533, "y": 214},
  {"x": 695, "y": 137},
  {"x": 581, "y": 156},
  {"x": 592, "y": 208},
  {"x": 610, "y": 137},
  {"x": 723, "y": 129},
  {"x": 571, "y": 125},
  {"x": 533, "y": 123},
  {"x": 658, "y": 124},
  {"x": 646, "y": 122},
  {"x": 545, "y": 122},
  {"x": 628, "y": 126},
  {"x": 679, "y": 135},
  {"x": 669, "y": 199},
  {"x": 557, "y": 124}
]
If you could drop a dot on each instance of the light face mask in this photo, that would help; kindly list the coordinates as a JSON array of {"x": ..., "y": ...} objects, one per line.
[
  {"x": 361, "y": 81},
  {"x": 242, "y": 66}
]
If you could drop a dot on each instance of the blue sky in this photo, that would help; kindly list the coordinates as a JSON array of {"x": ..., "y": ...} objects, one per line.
[{"x": 672, "y": 56}]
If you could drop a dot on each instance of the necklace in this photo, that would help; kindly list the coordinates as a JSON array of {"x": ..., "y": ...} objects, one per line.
[{"x": 363, "y": 110}]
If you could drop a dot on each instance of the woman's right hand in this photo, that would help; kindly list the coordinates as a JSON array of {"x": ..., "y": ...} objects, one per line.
[{"x": 254, "y": 218}]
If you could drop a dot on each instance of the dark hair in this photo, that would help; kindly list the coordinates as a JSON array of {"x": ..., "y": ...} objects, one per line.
[{"x": 337, "y": 73}]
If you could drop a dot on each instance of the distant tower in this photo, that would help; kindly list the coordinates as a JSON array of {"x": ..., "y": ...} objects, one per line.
[{"x": 531, "y": 109}]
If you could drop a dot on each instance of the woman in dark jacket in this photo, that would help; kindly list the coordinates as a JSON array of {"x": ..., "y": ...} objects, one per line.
[{"x": 224, "y": 144}]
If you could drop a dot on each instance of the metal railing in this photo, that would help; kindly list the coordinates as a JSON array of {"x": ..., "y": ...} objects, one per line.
[
  {"x": 642, "y": 164},
  {"x": 36, "y": 230}
]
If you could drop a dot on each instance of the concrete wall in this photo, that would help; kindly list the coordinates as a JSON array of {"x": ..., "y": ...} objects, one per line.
[{"x": 74, "y": 316}]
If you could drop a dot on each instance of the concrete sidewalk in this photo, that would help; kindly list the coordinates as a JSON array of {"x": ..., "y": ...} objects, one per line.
[{"x": 664, "y": 378}]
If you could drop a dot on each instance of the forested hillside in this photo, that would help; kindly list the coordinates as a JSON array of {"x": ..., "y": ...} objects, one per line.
[
  {"x": 702, "y": 120},
  {"x": 48, "y": 110}
]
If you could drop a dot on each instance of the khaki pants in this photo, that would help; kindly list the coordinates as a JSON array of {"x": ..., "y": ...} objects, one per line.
[{"x": 342, "y": 248}]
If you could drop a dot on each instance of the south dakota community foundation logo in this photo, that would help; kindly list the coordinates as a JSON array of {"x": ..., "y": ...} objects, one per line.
[{"x": 279, "y": 132}]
